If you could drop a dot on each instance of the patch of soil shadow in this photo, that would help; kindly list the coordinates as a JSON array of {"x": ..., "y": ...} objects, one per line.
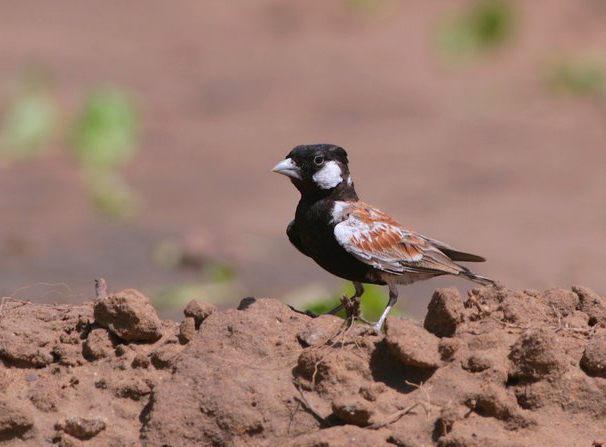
[{"x": 386, "y": 368}]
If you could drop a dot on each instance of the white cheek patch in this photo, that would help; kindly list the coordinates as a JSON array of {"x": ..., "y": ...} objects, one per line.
[{"x": 329, "y": 176}]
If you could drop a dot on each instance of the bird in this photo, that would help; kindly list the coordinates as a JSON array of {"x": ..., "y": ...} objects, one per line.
[{"x": 354, "y": 240}]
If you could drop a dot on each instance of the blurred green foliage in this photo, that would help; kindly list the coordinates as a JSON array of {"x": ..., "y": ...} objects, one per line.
[
  {"x": 217, "y": 283},
  {"x": 110, "y": 194},
  {"x": 373, "y": 302},
  {"x": 365, "y": 6},
  {"x": 582, "y": 77},
  {"x": 29, "y": 120},
  {"x": 483, "y": 26},
  {"x": 177, "y": 297},
  {"x": 103, "y": 137},
  {"x": 105, "y": 134}
]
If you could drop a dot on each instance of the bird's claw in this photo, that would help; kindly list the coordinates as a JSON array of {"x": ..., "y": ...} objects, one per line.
[{"x": 353, "y": 311}]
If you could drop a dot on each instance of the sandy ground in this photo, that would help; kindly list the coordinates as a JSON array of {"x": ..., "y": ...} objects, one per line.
[
  {"x": 500, "y": 369},
  {"x": 482, "y": 156}
]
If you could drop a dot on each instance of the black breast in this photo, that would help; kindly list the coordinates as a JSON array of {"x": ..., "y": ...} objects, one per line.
[{"x": 313, "y": 232}]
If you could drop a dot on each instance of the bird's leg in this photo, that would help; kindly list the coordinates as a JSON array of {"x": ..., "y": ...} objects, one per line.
[
  {"x": 335, "y": 310},
  {"x": 393, "y": 298},
  {"x": 355, "y": 298},
  {"x": 352, "y": 305}
]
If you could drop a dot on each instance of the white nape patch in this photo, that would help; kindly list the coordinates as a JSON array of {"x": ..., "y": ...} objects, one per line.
[
  {"x": 349, "y": 180},
  {"x": 329, "y": 176},
  {"x": 337, "y": 211}
]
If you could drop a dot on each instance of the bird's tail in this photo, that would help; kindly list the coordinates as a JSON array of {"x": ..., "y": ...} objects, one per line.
[{"x": 477, "y": 278}]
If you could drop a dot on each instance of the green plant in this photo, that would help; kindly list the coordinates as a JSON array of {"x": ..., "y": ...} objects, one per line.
[
  {"x": 372, "y": 303},
  {"x": 29, "y": 120},
  {"x": 104, "y": 138},
  {"x": 217, "y": 283},
  {"x": 582, "y": 77},
  {"x": 105, "y": 134},
  {"x": 484, "y": 26}
]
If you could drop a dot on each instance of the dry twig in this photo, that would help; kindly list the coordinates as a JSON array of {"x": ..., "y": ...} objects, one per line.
[{"x": 394, "y": 417}]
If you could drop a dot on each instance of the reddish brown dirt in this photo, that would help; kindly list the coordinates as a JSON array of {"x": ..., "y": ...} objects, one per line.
[{"x": 505, "y": 369}]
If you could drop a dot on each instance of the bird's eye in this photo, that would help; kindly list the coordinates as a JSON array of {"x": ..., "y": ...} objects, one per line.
[{"x": 318, "y": 160}]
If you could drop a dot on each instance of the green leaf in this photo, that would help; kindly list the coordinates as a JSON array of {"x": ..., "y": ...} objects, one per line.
[
  {"x": 29, "y": 121},
  {"x": 582, "y": 77},
  {"x": 484, "y": 26},
  {"x": 105, "y": 135}
]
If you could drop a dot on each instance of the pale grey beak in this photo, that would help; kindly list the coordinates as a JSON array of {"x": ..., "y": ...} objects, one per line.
[{"x": 288, "y": 168}]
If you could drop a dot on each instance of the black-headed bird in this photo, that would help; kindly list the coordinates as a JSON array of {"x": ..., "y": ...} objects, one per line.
[{"x": 354, "y": 240}]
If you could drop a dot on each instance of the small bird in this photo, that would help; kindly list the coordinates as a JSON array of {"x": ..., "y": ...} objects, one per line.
[{"x": 354, "y": 240}]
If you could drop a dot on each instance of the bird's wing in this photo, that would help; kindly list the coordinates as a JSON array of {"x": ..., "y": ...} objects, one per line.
[{"x": 376, "y": 239}]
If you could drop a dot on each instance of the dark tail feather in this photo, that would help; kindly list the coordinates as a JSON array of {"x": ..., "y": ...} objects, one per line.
[
  {"x": 477, "y": 278},
  {"x": 461, "y": 255}
]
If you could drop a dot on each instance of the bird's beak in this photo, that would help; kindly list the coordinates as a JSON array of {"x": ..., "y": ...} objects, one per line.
[{"x": 288, "y": 168}]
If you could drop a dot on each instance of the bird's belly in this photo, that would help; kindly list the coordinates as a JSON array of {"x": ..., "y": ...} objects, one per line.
[{"x": 329, "y": 255}]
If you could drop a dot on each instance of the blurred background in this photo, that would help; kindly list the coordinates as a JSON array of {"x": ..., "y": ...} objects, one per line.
[{"x": 136, "y": 140}]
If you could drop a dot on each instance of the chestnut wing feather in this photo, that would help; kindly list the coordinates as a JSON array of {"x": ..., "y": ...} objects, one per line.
[{"x": 376, "y": 239}]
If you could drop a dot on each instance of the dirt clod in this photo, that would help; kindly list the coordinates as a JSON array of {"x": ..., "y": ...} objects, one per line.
[
  {"x": 98, "y": 344},
  {"x": 187, "y": 330},
  {"x": 353, "y": 410},
  {"x": 496, "y": 402},
  {"x": 164, "y": 356},
  {"x": 537, "y": 355},
  {"x": 594, "y": 357},
  {"x": 564, "y": 302},
  {"x": 81, "y": 427},
  {"x": 412, "y": 344},
  {"x": 344, "y": 436},
  {"x": 320, "y": 330},
  {"x": 141, "y": 360},
  {"x": 592, "y": 305},
  {"x": 199, "y": 311},
  {"x": 43, "y": 397},
  {"x": 133, "y": 388},
  {"x": 444, "y": 312},
  {"x": 129, "y": 316},
  {"x": 14, "y": 421}
]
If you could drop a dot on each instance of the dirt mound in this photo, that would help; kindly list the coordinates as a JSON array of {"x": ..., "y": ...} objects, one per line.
[{"x": 500, "y": 368}]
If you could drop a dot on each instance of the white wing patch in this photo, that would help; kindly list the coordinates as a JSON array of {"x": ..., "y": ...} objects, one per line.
[
  {"x": 356, "y": 236},
  {"x": 329, "y": 176},
  {"x": 379, "y": 241},
  {"x": 337, "y": 211}
]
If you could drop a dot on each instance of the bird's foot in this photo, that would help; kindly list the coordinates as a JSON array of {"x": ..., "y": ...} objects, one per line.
[
  {"x": 379, "y": 324},
  {"x": 353, "y": 311}
]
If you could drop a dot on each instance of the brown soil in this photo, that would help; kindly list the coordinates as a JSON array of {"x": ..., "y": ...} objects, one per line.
[{"x": 501, "y": 368}]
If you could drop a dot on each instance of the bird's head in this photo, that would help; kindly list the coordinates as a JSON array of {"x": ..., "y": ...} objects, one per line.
[{"x": 317, "y": 169}]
